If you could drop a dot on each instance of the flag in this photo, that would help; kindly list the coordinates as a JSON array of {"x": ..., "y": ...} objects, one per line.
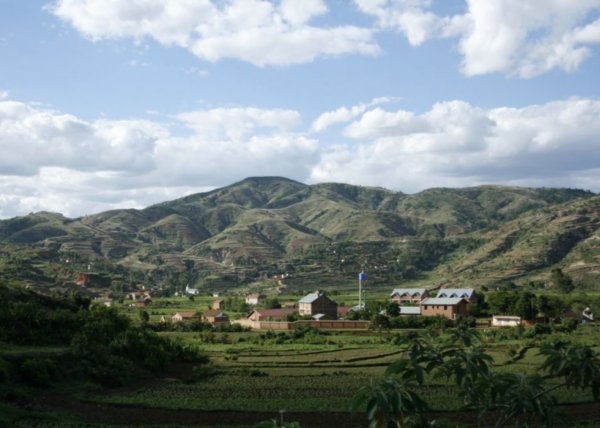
[{"x": 362, "y": 276}]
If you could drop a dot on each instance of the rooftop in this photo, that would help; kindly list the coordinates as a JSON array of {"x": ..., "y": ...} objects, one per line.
[
  {"x": 455, "y": 292},
  {"x": 442, "y": 301},
  {"x": 409, "y": 291}
]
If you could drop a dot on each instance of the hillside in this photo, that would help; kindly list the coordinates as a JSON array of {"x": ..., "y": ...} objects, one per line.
[{"x": 319, "y": 234}]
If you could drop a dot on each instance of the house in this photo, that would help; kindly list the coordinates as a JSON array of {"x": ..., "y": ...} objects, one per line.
[
  {"x": 505, "y": 321},
  {"x": 317, "y": 303},
  {"x": 144, "y": 302},
  {"x": 137, "y": 295},
  {"x": 180, "y": 316},
  {"x": 449, "y": 307},
  {"x": 270, "y": 314},
  {"x": 468, "y": 294},
  {"x": 217, "y": 304},
  {"x": 191, "y": 291},
  {"x": 92, "y": 279},
  {"x": 408, "y": 295},
  {"x": 255, "y": 299},
  {"x": 215, "y": 317}
]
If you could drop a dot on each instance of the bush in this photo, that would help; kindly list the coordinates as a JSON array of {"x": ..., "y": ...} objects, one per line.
[
  {"x": 567, "y": 325},
  {"x": 38, "y": 371},
  {"x": 4, "y": 371}
]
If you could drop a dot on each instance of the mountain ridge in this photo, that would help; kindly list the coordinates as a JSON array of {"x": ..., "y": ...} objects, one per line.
[{"x": 258, "y": 225}]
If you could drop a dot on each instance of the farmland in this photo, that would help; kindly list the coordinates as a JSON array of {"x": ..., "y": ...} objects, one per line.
[{"x": 264, "y": 378}]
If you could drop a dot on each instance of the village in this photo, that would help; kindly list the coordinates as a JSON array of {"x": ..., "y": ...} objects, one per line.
[{"x": 318, "y": 310}]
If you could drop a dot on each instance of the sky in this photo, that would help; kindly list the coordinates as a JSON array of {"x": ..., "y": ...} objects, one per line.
[{"x": 109, "y": 104}]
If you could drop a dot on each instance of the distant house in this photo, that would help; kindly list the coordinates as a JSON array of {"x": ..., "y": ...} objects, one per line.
[
  {"x": 217, "y": 304},
  {"x": 144, "y": 302},
  {"x": 92, "y": 279},
  {"x": 468, "y": 294},
  {"x": 255, "y": 299},
  {"x": 191, "y": 291},
  {"x": 343, "y": 311},
  {"x": 505, "y": 321},
  {"x": 408, "y": 295},
  {"x": 181, "y": 316},
  {"x": 215, "y": 317},
  {"x": 318, "y": 303},
  {"x": 137, "y": 295},
  {"x": 270, "y": 314},
  {"x": 587, "y": 315},
  {"x": 449, "y": 307}
]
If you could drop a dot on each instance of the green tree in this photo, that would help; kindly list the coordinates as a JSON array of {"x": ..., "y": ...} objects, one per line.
[
  {"x": 393, "y": 402},
  {"x": 561, "y": 281}
]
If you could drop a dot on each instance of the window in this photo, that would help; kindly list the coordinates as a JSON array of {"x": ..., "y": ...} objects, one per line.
[
  {"x": 445, "y": 307},
  {"x": 425, "y": 307}
]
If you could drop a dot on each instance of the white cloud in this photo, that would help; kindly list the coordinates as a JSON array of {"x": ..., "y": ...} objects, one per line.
[
  {"x": 257, "y": 31},
  {"x": 4, "y": 95},
  {"x": 514, "y": 37},
  {"x": 59, "y": 162},
  {"x": 344, "y": 114},
  {"x": 238, "y": 123},
  {"x": 456, "y": 144},
  {"x": 56, "y": 161}
]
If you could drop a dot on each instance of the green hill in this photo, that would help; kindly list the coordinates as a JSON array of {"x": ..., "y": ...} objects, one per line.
[{"x": 323, "y": 234}]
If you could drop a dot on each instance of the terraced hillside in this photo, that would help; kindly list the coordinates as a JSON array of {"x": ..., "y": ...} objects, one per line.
[{"x": 325, "y": 233}]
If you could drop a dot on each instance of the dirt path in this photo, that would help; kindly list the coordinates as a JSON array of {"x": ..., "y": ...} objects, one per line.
[{"x": 140, "y": 416}]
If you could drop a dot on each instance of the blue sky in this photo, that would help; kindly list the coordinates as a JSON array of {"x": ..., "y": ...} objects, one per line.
[{"x": 108, "y": 104}]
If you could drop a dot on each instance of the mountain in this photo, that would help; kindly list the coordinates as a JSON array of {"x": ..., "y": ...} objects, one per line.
[{"x": 324, "y": 234}]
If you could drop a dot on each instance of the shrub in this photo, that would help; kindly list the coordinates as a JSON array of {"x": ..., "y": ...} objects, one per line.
[{"x": 38, "y": 371}]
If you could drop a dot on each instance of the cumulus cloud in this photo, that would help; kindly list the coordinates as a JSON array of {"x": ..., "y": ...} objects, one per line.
[
  {"x": 456, "y": 144},
  {"x": 238, "y": 123},
  {"x": 59, "y": 162},
  {"x": 513, "y": 37},
  {"x": 344, "y": 114},
  {"x": 56, "y": 161},
  {"x": 257, "y": 31}
]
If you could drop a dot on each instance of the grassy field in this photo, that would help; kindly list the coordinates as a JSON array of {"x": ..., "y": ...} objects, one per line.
[{"x": 304, "y": 377}]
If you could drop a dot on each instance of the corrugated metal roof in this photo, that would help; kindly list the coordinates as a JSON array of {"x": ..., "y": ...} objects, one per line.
[
  {"x": 410, "y": 310},
  {"x": 441, "y": 301},
  {"x": 455, "y": 292},
  {"x": 409, "y": 291},
  {"x": 309, "y": 298}
]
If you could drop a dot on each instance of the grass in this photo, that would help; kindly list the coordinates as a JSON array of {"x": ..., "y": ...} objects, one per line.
[{"x": 262, "y": 376}]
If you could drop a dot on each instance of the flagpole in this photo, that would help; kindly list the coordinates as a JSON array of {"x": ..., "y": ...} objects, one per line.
[{"x": 359, "y": 292}]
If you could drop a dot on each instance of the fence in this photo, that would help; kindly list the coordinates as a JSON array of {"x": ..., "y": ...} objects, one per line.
[{"x": 284, "y": 325}]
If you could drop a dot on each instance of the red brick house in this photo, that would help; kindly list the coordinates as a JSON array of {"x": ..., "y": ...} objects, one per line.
[
  {"x": 181, "y": 316},
  {"x": 215, "y": 317},
  {"x": 271, "y": 314},
  {"x": 408, "y": 295},
  {"x": 450, "y": 308},
  {"x": 318, "y": 303}
]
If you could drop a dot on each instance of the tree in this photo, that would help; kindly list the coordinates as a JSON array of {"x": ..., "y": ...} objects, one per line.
[
  {"x": 144, "y": 317},
  {"x": 393, "y": 309},
  {"x": 561, "y": 281},
  {"x": 393, "y": 402},
  {"x": 525, "y": 306}
]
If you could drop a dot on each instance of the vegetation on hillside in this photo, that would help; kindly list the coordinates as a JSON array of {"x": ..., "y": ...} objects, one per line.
[{"x": 257, "y": 230}]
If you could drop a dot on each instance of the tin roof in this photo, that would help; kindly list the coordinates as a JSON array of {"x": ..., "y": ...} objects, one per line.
[
  {"x": 442, "y": 301},
  {"x": 456, "y": 292},
  {"x": 409, "y": 291},
  {"x": 410, "y": 310},
  {"x": 309, "y": 298}
]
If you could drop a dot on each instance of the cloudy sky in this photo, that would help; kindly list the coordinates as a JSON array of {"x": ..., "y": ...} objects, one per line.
[{"x": 110, "y": 103}]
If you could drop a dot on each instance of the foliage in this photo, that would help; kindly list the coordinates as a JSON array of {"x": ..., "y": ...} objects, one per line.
[
  {"x": 561, "y": 281},
  {"x": 504, "y": 396}
]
